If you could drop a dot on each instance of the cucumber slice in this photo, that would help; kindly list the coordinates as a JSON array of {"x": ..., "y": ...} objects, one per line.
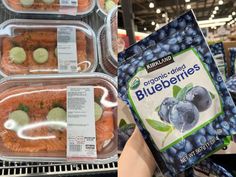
[
  {"x": 40, "y": 55},
  {"x": 20, "y": 117},
  {"x": 57, "y": 114},
  {"x": 109, "y": 4},
  {"x": 98, "y": 111},
  {"x": 55, "y": 52},
  {"x": 48, "y": 1},
  {"x": 27, "y": 3},
  {"x": 17, "y": 55}
]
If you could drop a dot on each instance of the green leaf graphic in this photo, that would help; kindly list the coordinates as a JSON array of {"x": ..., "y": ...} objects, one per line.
[
  {"x": 157, "y": 108},
  {"x": 159, "y": 126},
  {"x": 122, "y": 123},
  {"x": 212, "y": 95},
  {"x": 183, "y": 91},
  {"x": 166, "y": 136},
  {"x": 176, "y": 90}
]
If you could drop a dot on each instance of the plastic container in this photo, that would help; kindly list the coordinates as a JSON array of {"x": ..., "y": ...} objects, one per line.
[
  {"x": 112, "y": 35},
  {"x": 33, "y": 34},
  {"x": 103, "y": 53},
  {"x": 102, "y": 9},
  {"x": 41, "y": 140},
  {"x": 40, "y": 7}
]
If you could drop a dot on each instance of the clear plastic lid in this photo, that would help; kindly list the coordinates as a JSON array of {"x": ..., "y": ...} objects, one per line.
[
  {"x": 30, "y": 47},
  {"x": 105, "y": 6},
  {"x": 104, "y": 55},
  {"x": 27, "y": 131},
  {"x": 69, "y": 7},
  {"x": 112, "y": 35}
]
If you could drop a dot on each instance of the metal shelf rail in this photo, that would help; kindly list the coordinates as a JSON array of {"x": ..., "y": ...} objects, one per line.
[
  {"x": 10, "y": 169},
  {"x": 16, "y": 169}
]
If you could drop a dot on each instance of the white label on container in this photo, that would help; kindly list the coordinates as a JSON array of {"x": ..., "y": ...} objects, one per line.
[
  {"x": 69, "y": 3},
  {"x": 66, "y": 50},
  {"x": 69, "y": 7},
  {"x": 81, "y": 131}
]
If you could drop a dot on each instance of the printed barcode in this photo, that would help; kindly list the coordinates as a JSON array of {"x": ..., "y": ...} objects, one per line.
[
  {"x": 63, "y": 68},
  {"x": 66, "y": 2},
  {"x": 74, "y": 2},
  {"x": 75, "y": 148}
]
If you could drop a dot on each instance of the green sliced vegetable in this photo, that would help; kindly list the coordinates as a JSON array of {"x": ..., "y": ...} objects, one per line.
[
  {"x": 27, "y": 3},
  {"x": 57, "y": 114},
  {"x": 176, "y": 90},
  {"x": 181, "y": 94},
  {"x": 40, "y": 55},
  {"x": 159, "y": 126},
  {"x": 98, "y": 111},
  {"x": 109, "y": 4},
  {"x": 17, "y": 55},
  {"x": 48, "y": 1},
  {"x": 20, "y": 117},
  {"x": 56, "y": 52}
]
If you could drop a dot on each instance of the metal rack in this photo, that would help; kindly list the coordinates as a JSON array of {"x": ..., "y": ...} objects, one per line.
[{"x": 16, "y": 169}]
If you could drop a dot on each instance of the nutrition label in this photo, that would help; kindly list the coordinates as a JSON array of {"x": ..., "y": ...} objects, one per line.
[
  {"x": 66, "y": 49},
  {"x": 81, "y": 131}
]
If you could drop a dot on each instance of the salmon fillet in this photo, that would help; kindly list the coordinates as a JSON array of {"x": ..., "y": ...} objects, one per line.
[
  {"x": 16, "y": 5},
  {"x": 39, "y": 100},
  {"x": 30, "y": 41}
]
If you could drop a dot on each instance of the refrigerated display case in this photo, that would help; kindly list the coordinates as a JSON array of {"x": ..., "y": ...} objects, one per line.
[{"x": 10, "y": 168}]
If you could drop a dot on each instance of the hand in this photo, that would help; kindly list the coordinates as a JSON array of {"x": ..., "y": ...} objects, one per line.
[{"x": 136, "y": 158}]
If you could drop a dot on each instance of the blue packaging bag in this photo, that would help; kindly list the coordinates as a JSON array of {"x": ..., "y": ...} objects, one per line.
[
  {"x": 176, "y": 95},
  {"x": 218, "y": 48},
  {"x": 232, "y": 57}
]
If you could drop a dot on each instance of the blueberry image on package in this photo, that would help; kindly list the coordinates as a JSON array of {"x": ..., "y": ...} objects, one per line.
[
  {"x": 171, "y": 91},
  {"x": 200, "y": 97},
  {"x": 165, "y": 107},
  {"x": 184, "y": 116}
]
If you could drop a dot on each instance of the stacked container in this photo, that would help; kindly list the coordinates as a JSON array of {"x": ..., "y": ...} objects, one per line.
[
  {"x": 50, "y": 7},
  {"x": 33, "y": 34},
  {"x": 108, "y": 40}
]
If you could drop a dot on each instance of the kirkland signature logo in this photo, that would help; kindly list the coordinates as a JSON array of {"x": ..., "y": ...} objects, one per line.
[{"x": 159, "y": 63}]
